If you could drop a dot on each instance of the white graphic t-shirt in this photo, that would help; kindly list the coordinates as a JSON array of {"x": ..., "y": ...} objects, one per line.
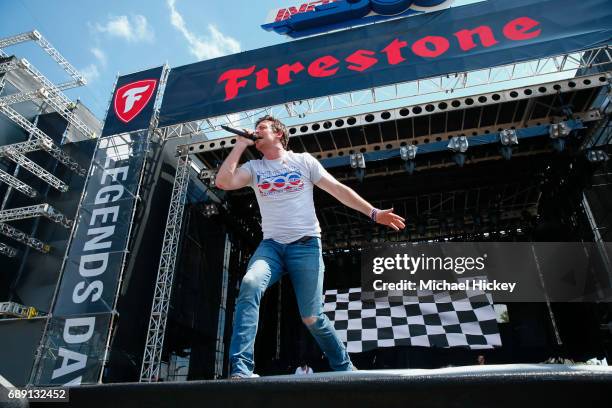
[{"x": 283, "y": 188}]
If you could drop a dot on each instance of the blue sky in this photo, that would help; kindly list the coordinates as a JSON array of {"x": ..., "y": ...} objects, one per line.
[{"x": 103, "y": 38}]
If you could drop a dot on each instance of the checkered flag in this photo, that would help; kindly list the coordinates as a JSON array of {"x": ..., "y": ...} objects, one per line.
[{"x": 465, "y": 319}]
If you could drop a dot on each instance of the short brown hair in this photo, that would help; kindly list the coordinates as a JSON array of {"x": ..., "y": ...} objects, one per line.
[{"x": 277, "y": 126}]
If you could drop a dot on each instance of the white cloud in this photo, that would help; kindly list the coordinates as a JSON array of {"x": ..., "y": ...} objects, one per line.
[
  {"x": 100, "y": 56},
  {"x": 136, "y": 29},
  {"x": 90, "y": 73},
  {"x": 214, "y": 44}
]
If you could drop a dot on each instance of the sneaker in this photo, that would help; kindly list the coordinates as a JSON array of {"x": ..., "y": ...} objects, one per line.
[{"x": 241, "y": 376}]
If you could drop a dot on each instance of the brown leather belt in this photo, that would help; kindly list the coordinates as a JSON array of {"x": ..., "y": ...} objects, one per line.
[{"x": 303, "y": 239}]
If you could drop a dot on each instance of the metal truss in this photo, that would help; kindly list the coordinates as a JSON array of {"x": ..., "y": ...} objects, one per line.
[
  {"x": 36, "y": 170},
  {"x": 41, "y": 141},
  {"x": 425, "y": 109},
  {"x": 17, "y": 184},
  {"x": 24, "y": 238},
  {"x": 446, "y": 84},
  {"x": 39, "y": 210},
  {"x": 151, "y": 362},
  {"x": 52, "y": 95},
  {"x": 7, "y": 250},
  {"x": 219, "y": 344},
  {"x": 12, "y": 309},
  {"x": 9, "y": 64},
  {"x": 78, "y": 79}
]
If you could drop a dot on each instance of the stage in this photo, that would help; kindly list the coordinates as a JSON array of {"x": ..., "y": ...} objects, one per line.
[{"x": 513, "y": 385}]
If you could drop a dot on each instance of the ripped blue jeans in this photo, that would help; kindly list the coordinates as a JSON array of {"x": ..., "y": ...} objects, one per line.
[{"x": 303, "y": 261}]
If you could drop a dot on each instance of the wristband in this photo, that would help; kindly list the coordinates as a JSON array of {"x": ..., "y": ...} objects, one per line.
[{"x": 374, "y": 213}]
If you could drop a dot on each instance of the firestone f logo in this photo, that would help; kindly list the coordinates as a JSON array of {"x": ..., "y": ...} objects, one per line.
[{"x": 132, "y": 98}]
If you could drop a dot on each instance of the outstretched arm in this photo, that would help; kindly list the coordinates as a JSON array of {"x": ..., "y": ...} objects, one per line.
[{"x": 350, "y": 198}]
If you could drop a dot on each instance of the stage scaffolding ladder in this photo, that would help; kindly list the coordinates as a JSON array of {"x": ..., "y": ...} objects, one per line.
[
  {"x": 52, "y": 95},
  {"x": 17, "y": 184},
  {"x": 15, "y": 310},
  {"x": 220, "y": 345},
  {"x": 39, "y": 210},
  {"x": 36, "y": 170},
  {"x": 20, "y": 236},
  {"x": 34, "y": 35},
  {"x": 151, "y": 362},
  {"x": 7, "y": 250},
  {"x": 41, "y": 141}
]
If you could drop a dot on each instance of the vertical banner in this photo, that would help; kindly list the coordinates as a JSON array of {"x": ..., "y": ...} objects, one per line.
[
  {"x": 75, "y": 341},
  {"x": 132, "y": 105}
]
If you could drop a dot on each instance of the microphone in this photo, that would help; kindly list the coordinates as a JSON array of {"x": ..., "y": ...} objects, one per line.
[{"x": 240, "y": 133}]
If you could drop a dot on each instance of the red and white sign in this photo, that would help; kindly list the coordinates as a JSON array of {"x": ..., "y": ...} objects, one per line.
[
  {"x": 132, "y": 98},
  {"x": 286, "y": 12}
]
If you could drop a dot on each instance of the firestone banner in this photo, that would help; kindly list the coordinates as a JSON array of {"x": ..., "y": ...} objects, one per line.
[{"x": 472, "y": 37}]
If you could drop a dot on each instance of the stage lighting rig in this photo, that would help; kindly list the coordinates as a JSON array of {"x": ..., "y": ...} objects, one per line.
[
  {"x": 597, "y": 156},
  {"x": 558, "y": 132},
  {"x": 507, "y": 138},
  {"x": 458, "y": 145},
  {"x": 408, "y": 154},
  {"x": 208, "y": 176},
  {"x": 358, "y": 164},
  {"x": 210, "y": 209}
]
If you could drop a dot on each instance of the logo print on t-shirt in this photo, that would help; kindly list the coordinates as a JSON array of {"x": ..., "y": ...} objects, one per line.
[{"x": 280, "y": 183}]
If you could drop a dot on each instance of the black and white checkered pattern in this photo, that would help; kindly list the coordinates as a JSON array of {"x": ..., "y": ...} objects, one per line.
[{"x": 429, "y": 320}]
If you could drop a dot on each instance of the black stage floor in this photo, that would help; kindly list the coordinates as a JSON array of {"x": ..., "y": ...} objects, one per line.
[{"x": 516, "y": 386}]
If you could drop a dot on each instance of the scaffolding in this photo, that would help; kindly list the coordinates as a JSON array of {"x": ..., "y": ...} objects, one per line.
[
  {"x": 17, "y": 184},
  {"x": 7, "y": 250},
  {"x": 34, "y": 35},
  {"x": 40, "y": 141},
  {"x": 20, "y": 236},
  {"x": 151, "y": 362},
  {"x": 32, "y": 211},
  {"x": 33, "y": 86},
  {"x": 36, "y": 170},
  {"x": 51, "y": 95},
  {"x": 15, "y": 310}
]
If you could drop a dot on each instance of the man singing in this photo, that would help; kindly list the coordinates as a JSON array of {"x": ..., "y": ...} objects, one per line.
[{"x": 283, "y": 183}]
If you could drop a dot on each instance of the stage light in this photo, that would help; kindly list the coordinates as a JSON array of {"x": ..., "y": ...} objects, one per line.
[
  {"x": 561, "y": 129},
  {"x": 558, "y": 132},
  {"x": 459, "y": 146},
  {"x": 408, "y": 153},
  {"x": 208, "y": 176},
  {"x": 508, "y": 138},
  {"x": 358, "y": 164},
  {"x": 210, "y": 210},
  {"x": 597, "y": 156}
]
